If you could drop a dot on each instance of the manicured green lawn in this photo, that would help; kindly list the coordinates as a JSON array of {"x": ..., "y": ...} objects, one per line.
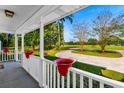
[
  {"x": 113, "y": 75},
  {"x": 108, "y": 47},
  {"x": 110, "y": 54},
  {"x": 86, "y": 67},
  {"x": 113, "y": 47},
  {"x": 51, "y": 57}
]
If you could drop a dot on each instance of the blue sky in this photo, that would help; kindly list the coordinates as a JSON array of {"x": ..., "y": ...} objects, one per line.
[{"x": 89, "y": 14}]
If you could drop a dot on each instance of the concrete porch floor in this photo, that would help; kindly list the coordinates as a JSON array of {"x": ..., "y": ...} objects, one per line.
[{"x": 14, "y": 76}]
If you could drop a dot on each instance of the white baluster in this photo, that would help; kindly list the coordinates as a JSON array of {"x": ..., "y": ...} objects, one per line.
[
  {"x": 51, "y": 76},
  {"x": 90, "y": 83},
  {"x": 48, "y": 75},
  {"x": 11, "y": 55},
  {"x": 45, "y": 74},
  {"x": 58, "y": 80},
  {"x": 81, "y": 81},
  {"x": 54, "y": 78},
  {"x": 74, "y": 80},
  {"x": 7, "y": 56},
  {"x": 62, "y": 81},
  {"x": 68, "y": 79},
  {"x": 2, "y": 55},
  {"x": 101, "y": 84}
]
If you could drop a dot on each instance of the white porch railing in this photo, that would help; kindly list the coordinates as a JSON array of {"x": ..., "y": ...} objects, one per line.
[
  {"x": 75, "y": 78},
  {"x": 31, "y": 65},
  {"x": 19, "y": 56},
  {"x": 9, "y": 56}
]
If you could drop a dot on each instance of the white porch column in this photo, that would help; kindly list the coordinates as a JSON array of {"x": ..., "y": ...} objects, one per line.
[
  {"x": 41, "y": 65},
  {"x": 16, "y": 47},
  {"x": 42, "y": 39},
  {"x": 0, "y": 46},
  {"x": 22, "y": 47}
]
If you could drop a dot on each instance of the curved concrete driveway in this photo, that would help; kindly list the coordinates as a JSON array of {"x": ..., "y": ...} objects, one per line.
[{"x": 116, "y": 64}]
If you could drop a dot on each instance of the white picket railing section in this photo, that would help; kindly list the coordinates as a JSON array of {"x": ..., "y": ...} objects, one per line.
[
  {"x": 7, "y": 56},
  {"x": 75, "y": 78},
  {"x": 31, "y": 65}
]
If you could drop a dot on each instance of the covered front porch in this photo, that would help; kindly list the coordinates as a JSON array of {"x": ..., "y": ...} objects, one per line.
[
  {"x": 42, "y": 70},
  {"x": 14, "y": 76}
]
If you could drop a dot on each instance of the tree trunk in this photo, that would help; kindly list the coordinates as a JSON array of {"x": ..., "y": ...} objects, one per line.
[
  {"x": 6, "y": 40},
  {"x": 33, "y": 47},
  {"x": 59, "y": 36},
  {"x": 62, "y": 34},
  {"x": 103, "y": 44},
  {"x": 81, "y": 45},
  {"x": 103, "y": 48}
]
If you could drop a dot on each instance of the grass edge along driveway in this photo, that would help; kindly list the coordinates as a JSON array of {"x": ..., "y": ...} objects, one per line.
[{"x": 109, "y": 54}]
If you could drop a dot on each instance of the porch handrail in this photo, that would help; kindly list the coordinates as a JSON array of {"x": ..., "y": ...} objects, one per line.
[{"x": 99, "y": 78}]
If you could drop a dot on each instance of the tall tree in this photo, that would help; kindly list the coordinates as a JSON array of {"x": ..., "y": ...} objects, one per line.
[
  {"x": 114, "y": 40},
  {"x": 106, "y": 25},
  {"x": 35, "y": 38},
  {"x": 5, "y": 38},
  {"x": 32, "y": 39},
  {"x": 51, "y": 35},
  {"x": 80, "y": 32},
  {"x": 61, "y": 29},
  {"x": 92, "y": 41}
]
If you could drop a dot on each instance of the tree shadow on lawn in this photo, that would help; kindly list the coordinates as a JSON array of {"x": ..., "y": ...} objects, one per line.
[{"x": 97, "y": 52}]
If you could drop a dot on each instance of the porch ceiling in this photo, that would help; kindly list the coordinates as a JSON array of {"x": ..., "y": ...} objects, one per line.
[{"x": 27, "y": 17}]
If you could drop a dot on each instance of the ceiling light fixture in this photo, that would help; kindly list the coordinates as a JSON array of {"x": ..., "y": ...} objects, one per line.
[{"x": 9, "y": 13}]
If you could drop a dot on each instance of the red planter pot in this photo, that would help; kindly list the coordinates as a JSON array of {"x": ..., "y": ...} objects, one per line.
[
  {"x": 63, "y": 64},
  {"x": 28, "y": 53},
  {"x": 45, "y": 53},
  {"x": 5, "y": 50}
]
